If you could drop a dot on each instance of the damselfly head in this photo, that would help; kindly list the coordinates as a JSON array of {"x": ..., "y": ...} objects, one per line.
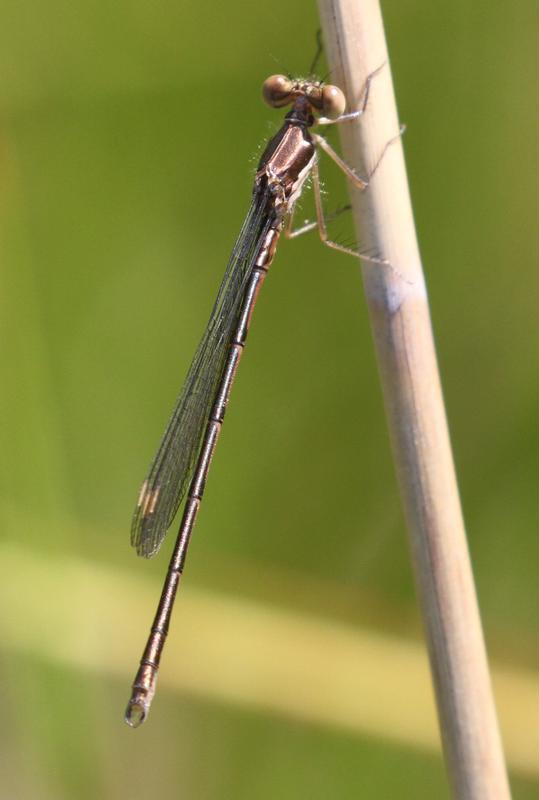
[{"x": 326, "y": 100}]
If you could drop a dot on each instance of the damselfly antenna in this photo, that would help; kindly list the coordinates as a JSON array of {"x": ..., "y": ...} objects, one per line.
[{"x": 318, "y": 53}]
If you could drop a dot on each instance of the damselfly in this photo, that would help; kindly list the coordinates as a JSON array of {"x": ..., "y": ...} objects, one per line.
[{"x": 183, "y": 459}]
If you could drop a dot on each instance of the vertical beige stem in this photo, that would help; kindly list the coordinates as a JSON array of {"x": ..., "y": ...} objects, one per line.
[{"x": 398, "y": 306}]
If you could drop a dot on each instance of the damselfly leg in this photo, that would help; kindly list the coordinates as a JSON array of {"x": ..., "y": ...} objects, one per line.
[
  {"x": 291, "y": 232},
  {"x": 357, "y": 181},
  {"x": 362, "y": 106},
  {"x": 321, "y": 219}
]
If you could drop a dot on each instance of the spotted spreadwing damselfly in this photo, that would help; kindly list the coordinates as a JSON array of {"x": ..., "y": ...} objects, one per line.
[{"x": 180, "y": 467}]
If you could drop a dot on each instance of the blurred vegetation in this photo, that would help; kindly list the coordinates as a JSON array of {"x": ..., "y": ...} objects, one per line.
[{"x": 128, "y": 137}]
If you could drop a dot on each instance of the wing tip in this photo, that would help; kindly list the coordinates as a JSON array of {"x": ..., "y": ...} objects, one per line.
[{"x": 144, "y": 537}]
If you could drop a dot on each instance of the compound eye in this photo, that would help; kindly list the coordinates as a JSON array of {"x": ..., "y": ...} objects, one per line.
[
  {"x": 277, "y": 91},
  {"x": 333, "y": 102}
]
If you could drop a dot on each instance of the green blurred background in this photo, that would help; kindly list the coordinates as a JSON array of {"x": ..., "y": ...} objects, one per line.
[{"x": 129, "y": 132}]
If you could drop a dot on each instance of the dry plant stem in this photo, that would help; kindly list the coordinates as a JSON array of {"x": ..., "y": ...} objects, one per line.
[{"x": 397, "y": 300}]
